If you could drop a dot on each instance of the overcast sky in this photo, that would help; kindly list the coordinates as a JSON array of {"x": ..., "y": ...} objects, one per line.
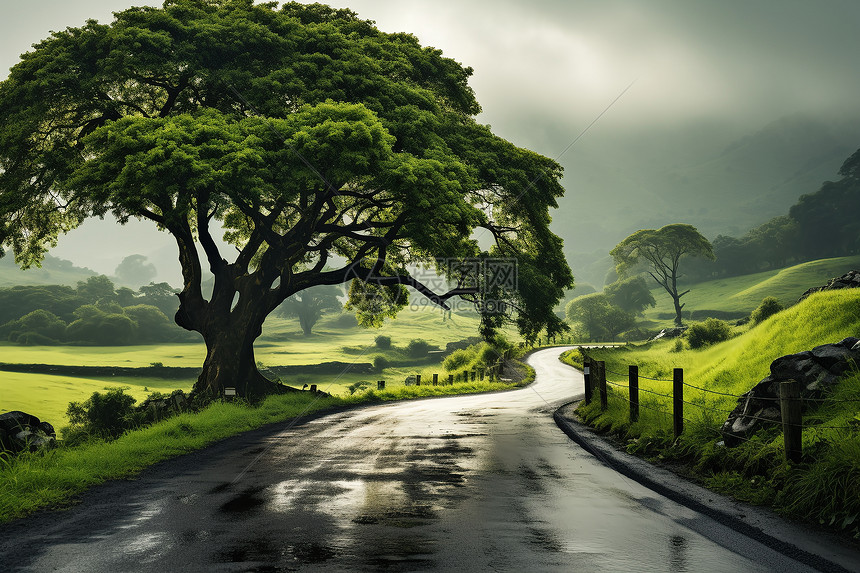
[{"x": 545, "y": 69}]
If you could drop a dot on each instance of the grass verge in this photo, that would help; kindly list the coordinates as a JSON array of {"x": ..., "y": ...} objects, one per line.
[
  {"x": 821, "y": 489},
  {"x": 53, "y": 479}
]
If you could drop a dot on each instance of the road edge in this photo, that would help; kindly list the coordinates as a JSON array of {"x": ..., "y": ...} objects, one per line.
[{"x": 818, "y": 550}]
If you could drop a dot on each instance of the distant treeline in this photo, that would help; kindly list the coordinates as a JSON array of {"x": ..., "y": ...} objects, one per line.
[
  {"x": 821, "y": 225},
  {"x": 94, "y": 313}
]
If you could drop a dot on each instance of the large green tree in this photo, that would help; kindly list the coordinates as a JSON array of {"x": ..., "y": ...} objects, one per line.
[
  {"x": 661, "y": 251},
  {"x": 312, "y": 137}
]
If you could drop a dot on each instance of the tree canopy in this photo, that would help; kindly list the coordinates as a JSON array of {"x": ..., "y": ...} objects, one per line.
[
  {"x": 661, "y": 251},
  {"x": 314, "y": 139}
]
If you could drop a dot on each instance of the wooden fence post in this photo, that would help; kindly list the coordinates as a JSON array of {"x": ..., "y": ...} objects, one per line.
[
  {"x": 678, "y": 401},
  {"x": 587, "y": 366},
  {"x": 481, "y": 374},
  {"x": 450, "y": 379},
  {"x": 633, "y": 384},
  {"x": 418, "y": 380},
  {"x": 601, "y": 381},
  {"x": 435, "y": 379},
  {"x": 792, "y": 419},
  {"x": 380, "y": 384}
]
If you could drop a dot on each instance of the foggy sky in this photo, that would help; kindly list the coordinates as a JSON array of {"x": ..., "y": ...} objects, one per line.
[{"x": 545, "y": 69}]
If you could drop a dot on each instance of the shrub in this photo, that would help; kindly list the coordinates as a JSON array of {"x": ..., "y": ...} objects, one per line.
[
  {"x": 769, "y": 306},
  {"x": 383, "y": 342},
  {"x": 418, "y": 348},
  {"x": 489, "y": 354},
  {"x": 105, "y": 415},
  {"x": 459, "y": 359},
  {"x": 380, "y": 363},
  {"x": 710, "y": 331},
  {"x": 359, "y": 386}
]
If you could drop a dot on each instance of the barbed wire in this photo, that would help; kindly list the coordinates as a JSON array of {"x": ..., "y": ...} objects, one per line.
[
  {"x": 706, "y": 408},
  {"x": 687, "y": 384}
]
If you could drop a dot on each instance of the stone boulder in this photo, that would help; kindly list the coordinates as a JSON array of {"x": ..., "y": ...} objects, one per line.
[
  {"x": 158, "y": 408},
  {"x": 851, "y": 279},
  {"x": 20, "y": 432},
  {"x": 816, "y": 370},
  {"x": 667, "y": 333}
]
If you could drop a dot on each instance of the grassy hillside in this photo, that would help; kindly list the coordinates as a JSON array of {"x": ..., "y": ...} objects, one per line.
[
  {"x": 755, "y": 471},
  {"x": 739, "y": 296},
  {"x": 54, "y": 271}
]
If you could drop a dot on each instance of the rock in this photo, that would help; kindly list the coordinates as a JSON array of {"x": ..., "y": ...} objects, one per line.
[
  {"x": 851, "y": 279},
  {"x": 410, "y": 380},
  {"x": 20, "y": 432},
  {"x": 157, "y": 409},
  {"x": 670, "y": 333},
  {"x": 816, "y": 370}
]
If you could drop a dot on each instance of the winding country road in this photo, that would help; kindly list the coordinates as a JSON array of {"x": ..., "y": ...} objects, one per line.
[{"x": 472, "y": 483}]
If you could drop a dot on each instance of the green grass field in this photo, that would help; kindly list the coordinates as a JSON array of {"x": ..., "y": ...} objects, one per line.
[
  {"x": 743, "y": 294},
  {"x": 756, "y": 471},
  {"x": 282, "y": 344}
]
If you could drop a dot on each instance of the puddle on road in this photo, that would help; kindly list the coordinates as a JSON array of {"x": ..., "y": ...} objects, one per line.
[{"x": 245, "y": 501}]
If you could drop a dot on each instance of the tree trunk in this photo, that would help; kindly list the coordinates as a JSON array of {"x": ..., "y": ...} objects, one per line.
[
  {"x": 678, "y": 306},
  {"x": 307, "y": 325},
  {"x": 230, "y": 364}
]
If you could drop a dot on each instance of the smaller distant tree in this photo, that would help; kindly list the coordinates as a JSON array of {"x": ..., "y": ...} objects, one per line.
[
  {"x": 46, "y": 325},
  {"x": 598, "y": 317},
  {"x": 134, "y": 270},
  {"x": 100, "y": 327},
  {"x": 160, "y": 295},
  {"x": 310, "y": 305},
  {"x": 151, "y": 325},
  {"x": 617, "y": 321},
  {"x": 630, "y": 294},
  {"x": 126, "y": 297},
  {"x": 95, "y": 289},
  {"x": 661, "y": 251}
]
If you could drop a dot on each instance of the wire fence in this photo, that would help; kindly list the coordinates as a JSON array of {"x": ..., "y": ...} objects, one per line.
[{"x": 789, "y": 404}]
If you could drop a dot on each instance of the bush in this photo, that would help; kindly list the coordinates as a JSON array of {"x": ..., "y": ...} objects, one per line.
[
  {"x": 380, "y": 363},
  {"x": 459, "y": 359},
  {"x": 104, "y": 415},
  {"x": 710, "y": 331},
  {"x": 383, "y": 342},
  {"x": 359, "y": 386},
  {"x": 418, "y": 348},
  {"x": 489, "y": 354},
  {"x": 769, "y": 306}
]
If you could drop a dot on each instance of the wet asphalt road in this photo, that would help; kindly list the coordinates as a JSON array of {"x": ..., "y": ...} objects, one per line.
[{"x": 472, "y": 483}]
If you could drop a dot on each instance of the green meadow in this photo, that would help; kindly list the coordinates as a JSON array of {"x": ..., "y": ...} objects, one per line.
[
  {"x": 335, "y": 338},
  {"x": 821, "y": 488}
]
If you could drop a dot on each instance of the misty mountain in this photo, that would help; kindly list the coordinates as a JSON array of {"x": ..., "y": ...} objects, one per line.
[
  {"x": 735, "y": 184},
  {"x": 759, "y": 176}
]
